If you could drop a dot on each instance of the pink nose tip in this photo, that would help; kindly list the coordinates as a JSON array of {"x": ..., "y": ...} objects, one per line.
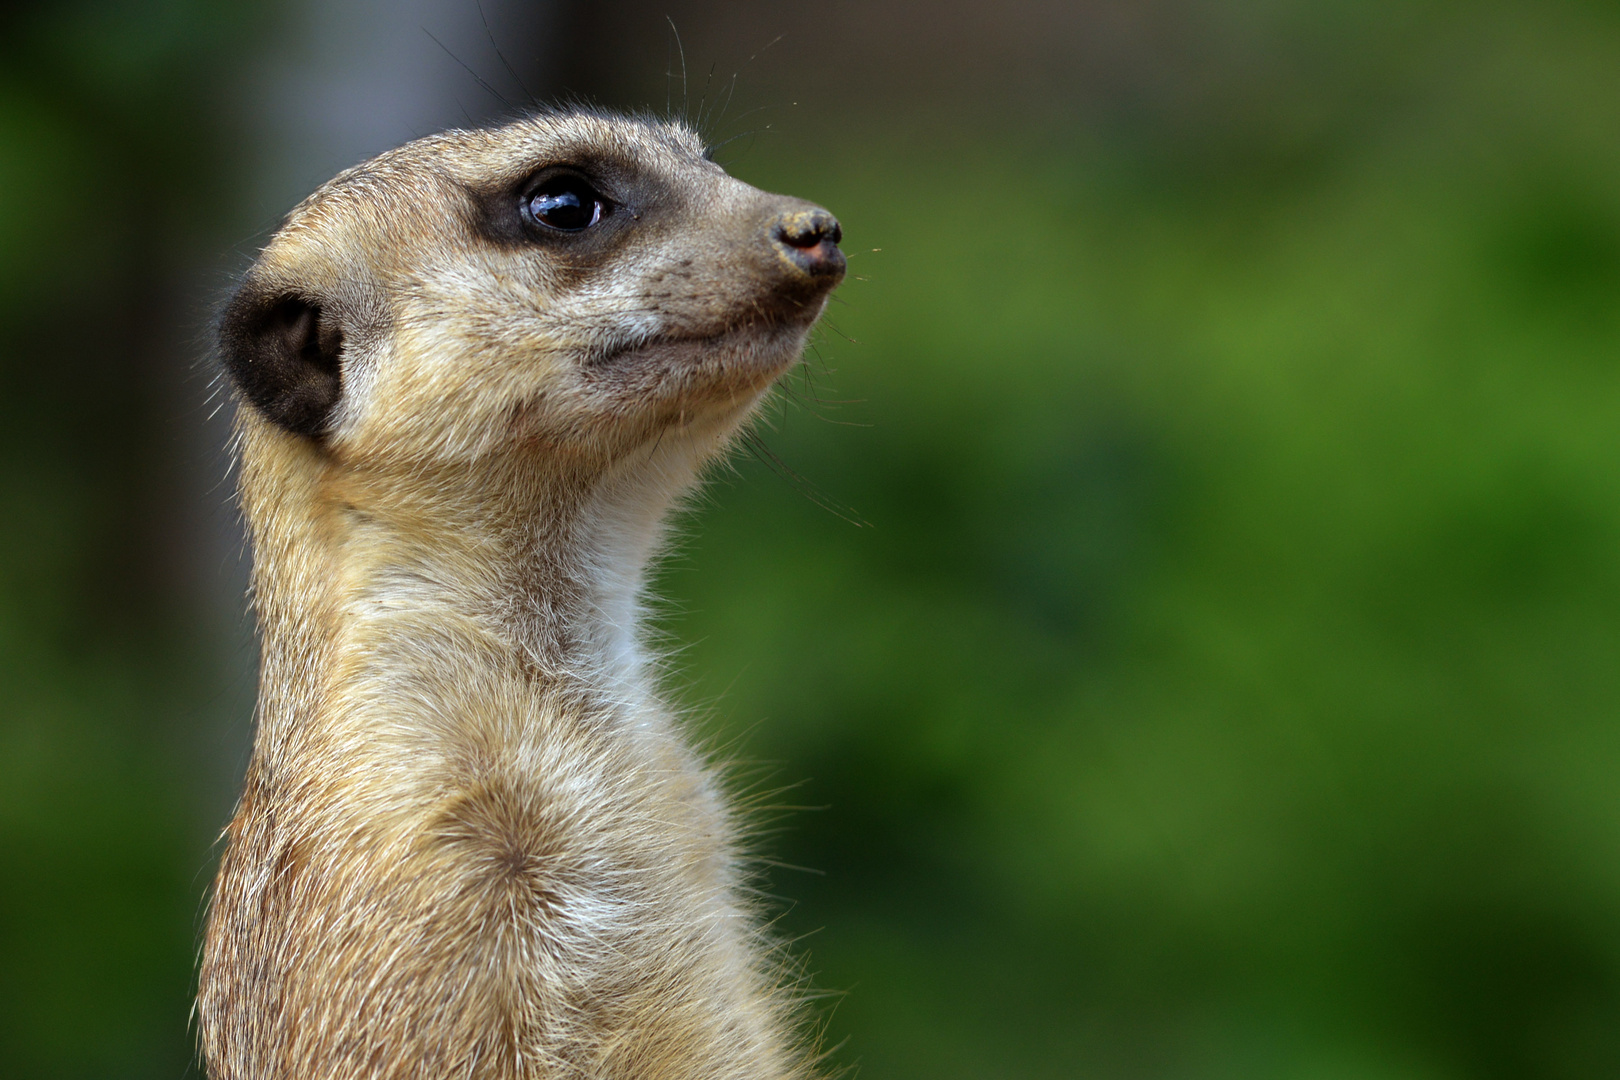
[{"x": 809, "y": 239}]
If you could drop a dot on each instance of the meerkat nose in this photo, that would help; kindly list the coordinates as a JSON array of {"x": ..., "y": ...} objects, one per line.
[{"x": 809, "y": 240}]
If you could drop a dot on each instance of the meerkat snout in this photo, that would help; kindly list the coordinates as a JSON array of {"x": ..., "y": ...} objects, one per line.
[{"x": 810, "y": 239}]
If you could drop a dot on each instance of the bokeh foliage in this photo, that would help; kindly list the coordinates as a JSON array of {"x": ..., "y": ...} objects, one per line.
[
  {"x": 111, "y": 168},
  {"x": 1221, "y": 676},
  {"x": 1228, "y": 682}
]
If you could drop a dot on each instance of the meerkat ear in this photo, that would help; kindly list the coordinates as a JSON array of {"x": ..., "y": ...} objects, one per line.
[{"x": 282, "y": 352}]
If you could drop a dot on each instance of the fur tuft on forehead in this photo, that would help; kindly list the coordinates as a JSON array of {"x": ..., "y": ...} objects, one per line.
[{"x": 510, "y": 150}]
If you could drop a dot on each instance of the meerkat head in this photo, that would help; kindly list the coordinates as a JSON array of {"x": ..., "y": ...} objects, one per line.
[{"x": 573, "y": 283}]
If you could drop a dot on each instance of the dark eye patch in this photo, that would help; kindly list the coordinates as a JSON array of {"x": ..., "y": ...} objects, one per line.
[{"x": 587, "y": 203}]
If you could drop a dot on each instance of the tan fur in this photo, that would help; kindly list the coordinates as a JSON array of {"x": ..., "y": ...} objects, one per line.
[{"x": 473, "y": 842}]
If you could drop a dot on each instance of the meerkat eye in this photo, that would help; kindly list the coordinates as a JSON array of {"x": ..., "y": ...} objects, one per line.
[{"x": 566, "y": 203}]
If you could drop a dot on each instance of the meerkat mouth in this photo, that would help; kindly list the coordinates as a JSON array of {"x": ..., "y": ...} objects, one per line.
[{"x": 753, "y": 345}]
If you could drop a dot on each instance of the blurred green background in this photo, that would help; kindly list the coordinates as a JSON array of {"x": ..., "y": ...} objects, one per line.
[{"x": 1220, "y": 675}]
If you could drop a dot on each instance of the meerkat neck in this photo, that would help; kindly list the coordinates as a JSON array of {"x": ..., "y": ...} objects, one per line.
[{"x": 518, "y": 563}]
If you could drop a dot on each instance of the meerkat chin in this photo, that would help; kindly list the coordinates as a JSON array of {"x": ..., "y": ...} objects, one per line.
[{"x": 474, "y": 375}]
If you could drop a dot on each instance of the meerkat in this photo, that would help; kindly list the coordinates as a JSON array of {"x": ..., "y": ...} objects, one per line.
[{"x": 473, "y": 375}]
